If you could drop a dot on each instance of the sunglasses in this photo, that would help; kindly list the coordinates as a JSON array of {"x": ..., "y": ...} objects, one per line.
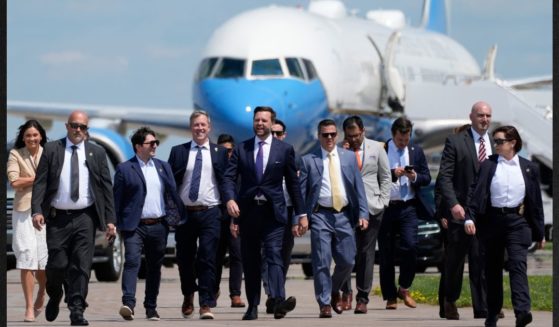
[
  {"x": 326, "y": 135},
  {"x": 152, "y": 143},
  {"x": 83, "y": 127},
  {"x": 278, "y": 133},
  {"x": 501, "y": 141}
]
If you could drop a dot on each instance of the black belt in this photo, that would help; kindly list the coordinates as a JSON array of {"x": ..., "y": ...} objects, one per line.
[
  {"x": 68, "y": 212},
  {"x": 197, "y": 208},
  {"x": 150, "y": 221},
  {"x": 506, "y": 210},
  {"x": 319, "y": 207},
  {"x": 397, "y": 203}
]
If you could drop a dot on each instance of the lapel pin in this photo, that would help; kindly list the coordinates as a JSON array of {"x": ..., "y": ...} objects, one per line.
[
  {"x": 91, "y": 154},
  {"x": 527, "y": 170}
]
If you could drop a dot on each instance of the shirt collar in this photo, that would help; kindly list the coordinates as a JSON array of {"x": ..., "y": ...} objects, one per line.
[
  {"x": 205, "y": 145},
  {"x": 268, "y": 140},
  {"x": 143, "y": 164},
  {"x": 325, "y": 153},
  {"x": 69, "y": 144},
  {"x": 513, "y": 162},
  {"x": 476, "y": 135}
]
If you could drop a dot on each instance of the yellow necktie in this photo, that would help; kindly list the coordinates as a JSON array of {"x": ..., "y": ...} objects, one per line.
[{"x": 334, "y": 183}]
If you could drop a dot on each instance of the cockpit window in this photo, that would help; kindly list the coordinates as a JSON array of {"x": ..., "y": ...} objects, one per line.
[
  {"x": 230, "y": 68},
  {"x": 294, "y": 68},
  {"x": 266, "y": 67},
  {"x": 206, "y": 67},
  {"x": 311, "y": 71}
]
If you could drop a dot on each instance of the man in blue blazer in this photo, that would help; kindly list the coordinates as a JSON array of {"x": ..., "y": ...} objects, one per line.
[
  {"x": 198, "y": 168},
  {"x": 336, "y": 202},
  {"x": 259, "y": 211},
  {"x": 409, "y": 172},
  {"x": 146, "y": 204}
]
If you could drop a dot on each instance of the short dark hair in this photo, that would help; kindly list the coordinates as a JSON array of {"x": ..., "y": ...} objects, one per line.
[
  {"x": 353, "y": 120},
  {"x": 510, "y": 134},
  {"x": 20, "y": 143},
  {"x": 325, "y": 122},
  {"x": 402, "y": 125},
  {"x": 139, "y": 136},
  {"x": 268, "y": 109},
  {"x": 279, "y": 122},
  {"x": 225, "y": 138}
]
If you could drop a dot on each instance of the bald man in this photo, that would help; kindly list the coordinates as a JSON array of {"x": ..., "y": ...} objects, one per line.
[
  {"x": 72, "y": 195},
  {"x": 461, "y": 158}
]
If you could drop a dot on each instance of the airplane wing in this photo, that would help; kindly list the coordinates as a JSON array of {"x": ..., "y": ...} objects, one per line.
[
  {"x": 530, "y": 83},
  {"x": 164, "y": 120}
]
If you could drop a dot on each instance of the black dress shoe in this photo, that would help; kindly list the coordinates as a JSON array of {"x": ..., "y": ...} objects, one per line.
[
  {"x": 523, "y": 319},
  {"x": 52, "y": 308},
  {"x": 270, "y": 303},
  {"x": 77, "y": 319},
  {"x": 450, "y": 311},
  {"x": 491, "y": 321},
  {"x": 283, "y": 307},
  {"x": 480, "y": 315},
  {"x": 251, "y": 314}
]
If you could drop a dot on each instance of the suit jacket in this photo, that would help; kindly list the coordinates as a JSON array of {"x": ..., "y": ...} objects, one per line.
[
  {"x": 48, "y": 178},
  {"x": 459, "y": 167},
  {"x": 312, "y": 169},
  {"x": 417, "y": 159},
  {"x": 479, "y": 200},
  {"x": 19, "y": 165},
  {"x": 130, "y": 193},
  {"x": 178, "y": 159},
  {"x": 281, "y": 163},
  {"x": 376, "y": 176}
]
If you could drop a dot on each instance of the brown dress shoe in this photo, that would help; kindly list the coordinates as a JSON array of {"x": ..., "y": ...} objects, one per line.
[
  {"x": 336, "y": 302},
  {"x": 205, "y": 312},
  {"x": 392, "y": 304},
  {"x": 236, "y": 302},
  {"x": 346, "y": 301},
  {"x": 404, "y": 294},
  {"x": 450, "y": 311},
  {"x": 187, "y": 306},
  {"x": 360, "y": 308},
  {"x": 325, "y": 312}
]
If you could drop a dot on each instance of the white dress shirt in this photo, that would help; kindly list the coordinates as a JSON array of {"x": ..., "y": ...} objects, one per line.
[
  {"x": 394, "y": 161},
  {"x": 62, "y": 199},
  {"x": 208, "y": 193},
  {"x": 325, "y": 195},
  {"x": 507, "y": 186},
  {"x": 154, "y": 205}
]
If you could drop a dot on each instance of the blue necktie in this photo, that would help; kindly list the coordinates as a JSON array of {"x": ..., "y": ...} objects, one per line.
[
  {"x": 259, "y": 162},
  {"x": 196, "y": 176},
  {"x": 403, "y": 179}
]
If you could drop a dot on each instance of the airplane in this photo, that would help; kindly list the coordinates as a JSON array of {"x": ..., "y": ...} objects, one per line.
[{"x": 325, "y": 61}]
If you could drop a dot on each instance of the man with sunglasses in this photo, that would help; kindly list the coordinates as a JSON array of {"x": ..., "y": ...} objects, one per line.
[
  {"x": 198, "y": 168},
  {"x": 73, "y": 195},
  {"x": 461, "y": 158},
  {"x": 336, "y": 204},
  {"x": 146, "y": 205}
]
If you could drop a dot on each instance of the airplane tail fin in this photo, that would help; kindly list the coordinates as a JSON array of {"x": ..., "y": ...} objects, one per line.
[{"x": 434, "y": 16}]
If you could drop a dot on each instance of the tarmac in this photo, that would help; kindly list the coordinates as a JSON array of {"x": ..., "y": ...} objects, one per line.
[{"x": 105, "y": 300}]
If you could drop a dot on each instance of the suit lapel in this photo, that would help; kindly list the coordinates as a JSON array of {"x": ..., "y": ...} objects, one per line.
[
  {"x": 471, "y": 148},
  {"x": 525, "y": 174},
  {"x": 345, "y": 172},
  {"x": 271, "y": 158},
  {"x": 136, "y": 168},
  {"x": 213, "y": 153},
  {"x": 60, "y": 155}
]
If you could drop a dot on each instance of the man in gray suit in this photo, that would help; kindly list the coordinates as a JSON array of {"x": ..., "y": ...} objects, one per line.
[
  {"x": 372, "y": 161},
  {"x": 336, "y": 203}
]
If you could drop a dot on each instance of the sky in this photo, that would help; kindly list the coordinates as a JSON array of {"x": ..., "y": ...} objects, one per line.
[{"x": 144, "y": 53}]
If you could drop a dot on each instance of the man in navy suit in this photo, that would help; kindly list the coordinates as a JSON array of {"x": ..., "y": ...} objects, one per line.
[
  {"x": 409, "y": 171},
  {"x": 259, "y": 211},
  {"x": 146, "y": 203},
  {"x": 336, "y": 202},
  {"x": 198, "y": 169}
]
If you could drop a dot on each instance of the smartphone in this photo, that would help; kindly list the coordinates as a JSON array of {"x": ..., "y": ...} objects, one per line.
[{"x": 408, "y": 168}]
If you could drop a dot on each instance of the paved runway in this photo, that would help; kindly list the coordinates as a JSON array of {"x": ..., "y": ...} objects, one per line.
[{"x": 104, "y": 302}]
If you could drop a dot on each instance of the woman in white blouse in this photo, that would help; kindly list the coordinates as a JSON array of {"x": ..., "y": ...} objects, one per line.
[
  {"x": 505, "y": 206},
  {"x": 29, "y": 245}
]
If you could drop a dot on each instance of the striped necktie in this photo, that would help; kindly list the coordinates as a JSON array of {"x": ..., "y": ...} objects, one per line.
[{"x": 481, "y": 156}]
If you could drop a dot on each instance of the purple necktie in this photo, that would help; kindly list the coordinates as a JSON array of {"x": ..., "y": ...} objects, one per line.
[{"x": 259, "y": 162}]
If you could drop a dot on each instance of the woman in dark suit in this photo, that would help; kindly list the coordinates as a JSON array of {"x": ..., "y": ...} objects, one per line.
[{"x": 506, "y": 206}]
